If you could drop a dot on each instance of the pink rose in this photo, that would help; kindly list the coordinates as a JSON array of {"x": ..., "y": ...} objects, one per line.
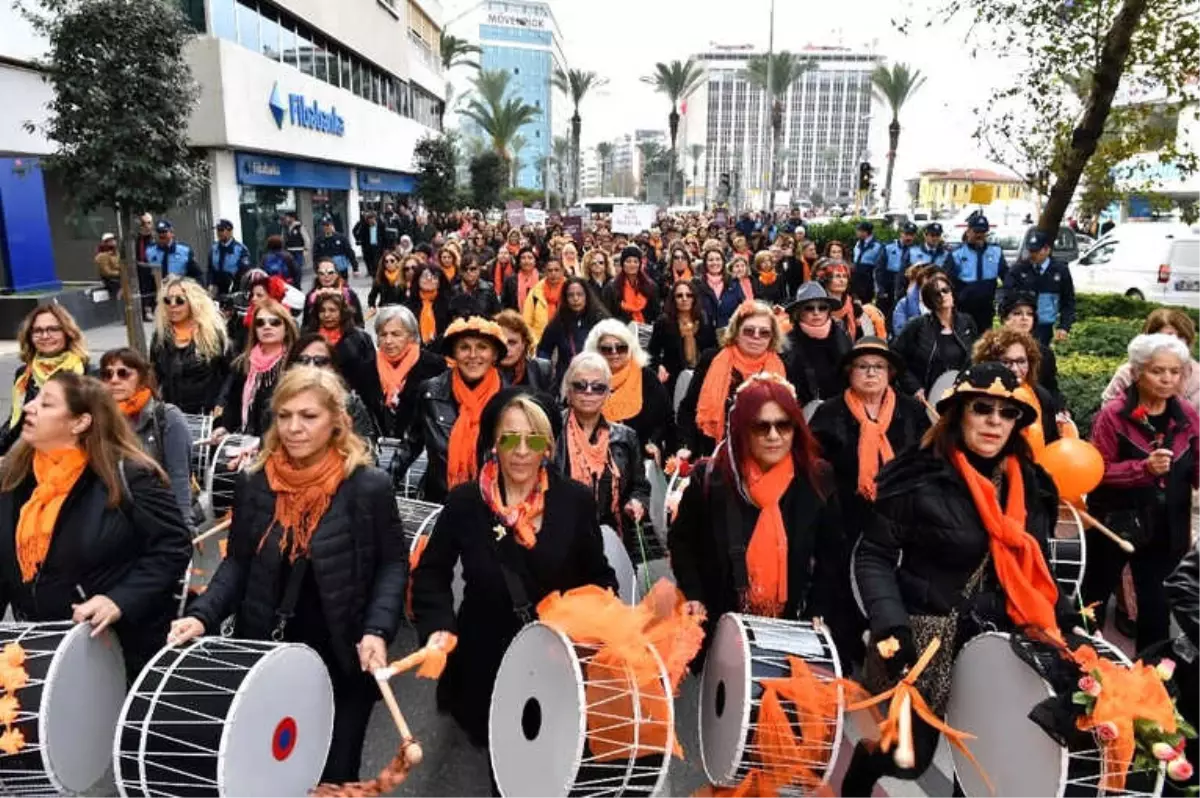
[
  {"x": 1165, "y": 668},
  {"x": 1090, "y": 686},
  {"x": 1164, "y": 752},
  {"x": 1179, "y": 769},
  {"x": 1107, "y": 731}
]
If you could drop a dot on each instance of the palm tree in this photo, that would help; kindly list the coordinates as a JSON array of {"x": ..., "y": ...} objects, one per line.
[
  {"x": 677, "y": 80},
  {"x": 515, "y": 145},
  {"x": 576, "y": 84},
  {"x": 561, "y": 153},
  {"x": 784, "y": 69},
  {"x": 894, "y": 86},
  {"x": 604, "y": 151},
  {"x": 650, "y": 151},
  {"x": 499, "y": 116},
  {"x": 696, "y": 150},
  {"x": 457, "y": 52}
]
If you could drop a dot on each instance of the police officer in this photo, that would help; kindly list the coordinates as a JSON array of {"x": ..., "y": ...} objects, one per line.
[
  {"x": 976, "y": 266},
  {"x": 933, "y": 250},
  {"x": 1048, "y": 279},
  {"x": 336, "y": 247},
  {"x": 295, "y": 240},
  {"x": 889, "y": 276},
  {"x": 169, "y": 256},
  {"x": 868, "y": 256},
  {"x": 227, "y": 259}
]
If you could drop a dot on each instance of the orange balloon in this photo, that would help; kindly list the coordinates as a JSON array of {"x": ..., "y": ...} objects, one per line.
[
  {"x": 1036, "y": 437},
  {"x": 1075, "y": 466}
]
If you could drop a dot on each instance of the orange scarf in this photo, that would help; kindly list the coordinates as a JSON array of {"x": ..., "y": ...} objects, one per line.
[
  {"x": 332, "y": 336},
  {"x": 428, "y": 319},
  {"x": 134, "y": 404},
  {"x": 392, "y": 276},
  {"x": 302, "y": 495},
  {"x": 55, "y": 473},
  {"x": 766, "y": 556},
  {"x": 684, "y": 276},
  {"x": 1035, "y": 433},
  {"x": 450, "y": 272},
  {"x": 625, "y": 400},
  {"x": 874, "y": 448},
  {"x": 183, "y": 332},
  {"x": 633, "y": 303},
  {"x": 1029, "y": 590},
  {"x": 589, "y": 460},
  {"x": 394, "y": 373},
  {"x": 768, "y": 278},
  {"x": 522, "y": 518},
  {"x": 525, "y": 284},
  {"x": 461, "y": 462},
  {"x": 499, "y": 275},
  {"x": 845, "y": 314},
  {"x": 553, "y": 296},
  {"x": 714, "y": 393}
]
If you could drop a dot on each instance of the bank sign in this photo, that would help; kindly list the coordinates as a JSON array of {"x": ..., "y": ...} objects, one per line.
[{"x": 300, "y": 112}]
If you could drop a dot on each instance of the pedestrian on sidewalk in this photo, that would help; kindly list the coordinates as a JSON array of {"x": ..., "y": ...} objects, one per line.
[
  {"x": 296, "y": 239},
  {"x": 108, "y": 264},
  {"x": 335, "y": 247}
]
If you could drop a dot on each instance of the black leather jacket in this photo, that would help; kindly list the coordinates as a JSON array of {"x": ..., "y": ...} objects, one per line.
[
  {"x": 917, "y": 344},
  {"x": 435, "y": 415},
  {"x": 186, "y": 380},
  {"x": 627, "y": 456}
]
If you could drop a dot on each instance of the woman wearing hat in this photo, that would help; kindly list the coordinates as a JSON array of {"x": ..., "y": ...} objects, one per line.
[
  {"x": 866, "y": 427},
  {"x": 631, "y": 296},
  {"x": 1018, "y": 311},
  {"x": 816, "y": 345},
  {"x": 446, "y": 421},
  {"x": 956, "y": 544},
  {"x": 935, "y": 343}
]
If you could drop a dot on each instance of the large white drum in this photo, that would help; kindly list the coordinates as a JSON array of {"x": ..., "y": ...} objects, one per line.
[
  {"x": 563, "y": 716},
  {"x": 991, "y": 696},
  {"x": 68, "y": 708},
  {"x": 218, "y": 486},
  {"x": 200, "y": 429},
  {"x": 224, "y": 717},
  {"x": 747, "y": 650}
]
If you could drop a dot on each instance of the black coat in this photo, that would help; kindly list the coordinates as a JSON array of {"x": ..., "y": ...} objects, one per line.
[
  {"x": 355, "y": 354},
  {"x": 838, "y": 432},
  {"x": 310, "y": 307},
  {"x": 560, "y": 345},
  {"x": 569, "y": 553},
  {"x": 135, "y": 553},
  {"x": 1048, "y": 376},
  {"x": 774, "y": 294},
  {"x": 436, "y": 412},
  {"x": 441, "y": 310},
  {"x": 690, "y": 436},
  {"x": 396, "y": 420},
  {"x": 917, "y": 345},
  {"x": 612, "y": 301},
  {"x": 632, "y": 484},
  {"x": 384, "y": 294},
  {"x": 537, "y": 378},
  {"x": 358, "y": 566},
  {"x": 509, "y": 294},
  {"x": 925, "y": 539},
  {"x": 259, "y": 418},
  {"x": 814, "y": 365},
  {"x": 186, "y": 380},
  {"x": 480, "y": 302},
  {"x": 666, "y": 348}
]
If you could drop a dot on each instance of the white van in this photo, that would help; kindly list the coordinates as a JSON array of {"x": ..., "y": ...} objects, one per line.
[{"x": 1158, "y": 262}]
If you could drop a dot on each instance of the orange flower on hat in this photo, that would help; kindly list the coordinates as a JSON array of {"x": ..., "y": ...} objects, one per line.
[
  {"x": 9, "y": 707},
  {"x": 13, "y": 655},
  {"x": 12, "y": 741}
]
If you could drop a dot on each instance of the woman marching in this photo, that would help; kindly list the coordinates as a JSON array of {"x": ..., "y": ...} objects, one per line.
[
  {"x": 89, "y": 530},
  {"x": 429, "y": 301},
  {"x": 351, "y": 344},
  {"x": 638, "y": 400},
  {"x": 519, "y": 366},
  {"x": 817, "y": 344},
  {"x": 189, "y": 348},
  {"x": 401, "y": 365},
  {"x": 598, "y": 270},
  {"x": 936, "y": 342},
  {"x": 313, "y": 349},
  {"x": 719, "y": 296},
  {"x": 328, "y": 277},
  {"x": 247, "y": 404},
  {"x": 391, "y": 284},
  {"x": 316, "y": 555},
  {"x": 1021, "y": 354},
  {"x": 632, "y": 295},
  {"x": 957, "y": 541},
  {"x": 681, "y": 335},
  {"x": 567, "y": 332}
]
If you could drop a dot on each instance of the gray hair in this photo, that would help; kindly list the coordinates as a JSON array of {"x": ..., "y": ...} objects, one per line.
[
  {"x": 620, "y": 330},
  {"x": 1143, "y": 348},
  {"x": 585, "y": 361},
  {"x": 405, "y": 316}
]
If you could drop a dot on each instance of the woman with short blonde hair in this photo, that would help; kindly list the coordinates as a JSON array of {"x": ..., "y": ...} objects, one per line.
[
  {"x": 190, "y": 347},
  {"x": 637, "y": 400}
]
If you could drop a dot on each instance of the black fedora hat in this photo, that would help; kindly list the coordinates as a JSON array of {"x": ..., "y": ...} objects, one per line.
[
  {"x": 989, "y": 379},
  {"x": 872, "y": 345}
]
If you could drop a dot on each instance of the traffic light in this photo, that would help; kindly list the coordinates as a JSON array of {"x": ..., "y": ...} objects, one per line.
[{"x": 864, "y": 176}]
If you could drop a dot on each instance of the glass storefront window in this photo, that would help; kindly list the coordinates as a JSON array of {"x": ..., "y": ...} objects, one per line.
[
  {"x": 334, "y": 203},
  {"x": 320, "y": 60},
  {"x": 261, "y": 208},
  {"x": 345, "y": 66},
  {"x": 356, "y": 77},
  {"x": 224, "y": 20},
  {"x": 268, "y": 28},
  {"x": 305, "y": 45},
  {"x": 247, "y": 23},
  {"x": 287, "y": 42}
]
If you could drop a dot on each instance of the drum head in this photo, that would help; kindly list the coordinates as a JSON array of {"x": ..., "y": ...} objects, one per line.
[
  {"x": 81, "y": 703},
  {"x": 810, "y": 410},
  {"x": 622, "y": 565},
  {"x": 942, "y": 384},
  {"x": 536, "y": 729},
  {"x": 279, "y": 726},
  {"x": 725, "y": 702},
  {"x": 992, "y": 694}
]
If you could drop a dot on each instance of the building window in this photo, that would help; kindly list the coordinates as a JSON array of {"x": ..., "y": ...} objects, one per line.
[
  {"x": 247, "y": 25},
  {"x": 268, "y": 26},
  {"x": 288, "y": 50},
  {"x": 320, "y": 61},
  {"x": 224, "y": 19},
  {"x": 304, "y": 46}
]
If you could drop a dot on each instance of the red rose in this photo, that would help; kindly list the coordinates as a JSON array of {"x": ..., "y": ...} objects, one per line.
[{"x": 1140, "y": 414}]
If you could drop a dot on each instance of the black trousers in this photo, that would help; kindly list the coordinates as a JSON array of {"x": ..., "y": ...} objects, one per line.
[
  {"x": 1150, "y": 565},
  {"x": 147, "y": 287},
  {"x": 353, "y": 699},
  {"x": 981, "y": 309},
  {"x": 867, "y": 766}
]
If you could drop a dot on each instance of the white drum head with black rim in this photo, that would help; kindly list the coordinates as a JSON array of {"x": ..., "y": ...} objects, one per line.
[
  {"x": 940, "y": 386},
  {"x": 537, "y": 724},
  {"x": 725, "y": 702},
  {"x": 618, "y": 558}
]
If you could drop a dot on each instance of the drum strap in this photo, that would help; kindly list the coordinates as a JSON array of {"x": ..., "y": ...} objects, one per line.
[
  {"x": 522, "y": 607},
  {"x": 291, "y": 596}
]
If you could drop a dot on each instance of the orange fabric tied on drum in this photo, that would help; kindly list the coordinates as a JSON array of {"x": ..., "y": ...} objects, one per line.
[{"x": 624, "y": 636}]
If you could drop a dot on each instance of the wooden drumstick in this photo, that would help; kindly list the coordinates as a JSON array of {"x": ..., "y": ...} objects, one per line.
[
  {"x": 903, "y": 756},
  {"x": 1091, "y": 521},
  {"x": 412, "y": 749},
  {"x": 216, "y": 529}
]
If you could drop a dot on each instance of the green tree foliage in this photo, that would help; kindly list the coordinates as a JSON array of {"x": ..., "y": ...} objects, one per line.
[
  {"x": 676, "y": 81},
  {"x": 776, "y": 74},
  {"x": 489, "y": 176},
  {"x": 576, "y": 84},
  {"x": 436, "y": 158},
  {"x": 500, "y": 116},
  {"x": 894, "y": 86},
  {"x": 457, "y": 52},
  {"x": 123, "y": 93}
]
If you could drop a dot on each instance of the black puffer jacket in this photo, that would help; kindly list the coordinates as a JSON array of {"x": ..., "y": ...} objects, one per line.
[
  {"x": 395, "y": 421},
  {"x": 355, "y": 355},
  {"x": 134, "y": 553},
  {"x": 925, "y": 540},
  {"x": 187, "y": 380},
  {"x": 627, "y": 456},
  {"x": 917, "y": 344},
  {"x": 359, "y": 565}
]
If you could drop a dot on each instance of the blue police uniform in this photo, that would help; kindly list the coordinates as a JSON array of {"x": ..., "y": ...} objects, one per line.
[
  {"x": 175, "y": 259},
  {"x": 1055, "y": 291},
  {"x": 976, "y": 271},
  {"x": 225, "y": 262},
  {"x": 868, "y": 255},
  {"x": 337, "y": 249},
  {"x": 939, "y": 256}
]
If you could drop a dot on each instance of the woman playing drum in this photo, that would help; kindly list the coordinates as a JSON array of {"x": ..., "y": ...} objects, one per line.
[
  {"x": 89, "y": 530},
  {"x": 958, "y": 536},
  {"x": 316, "y": 554}
]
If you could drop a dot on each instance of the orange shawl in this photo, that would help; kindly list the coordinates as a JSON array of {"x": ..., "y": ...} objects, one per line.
[
  {"x": 714, "y": 393},
  {"x": 393, "y": 374},
  {"x": 56, "y": 473},
  {"x": 1029, "y": 590},
  {"x": 768, "y": 277},
  {"x": 525, "y": 284},
  {"x": 589, "y": 460},
  {"x": 461, "y": 462},
  {"x": 524, "y": 517},
  {"x": 183, "y": 332},
  {"x": 133, "y": 405},
  {"x": 845, "y": 314},
  {"x": 450, "y": 272},
  {"x": 302, "y": 495},
  {"x": 625, "y": 401},
  {"x": 428, "y": 319},
  {"x": 553, "y": 296},
  {"x": 633, "y": 302},
  {"x": 766, "y": 556},
  {"x": 332, "y": 337},
  {"x": 874, "y": 448}
]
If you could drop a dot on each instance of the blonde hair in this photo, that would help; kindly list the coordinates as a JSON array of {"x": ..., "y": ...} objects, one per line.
[
  {"x": 75, "y": 341},
  {"x": 290, "y": 331},
  {"x": 751, "y": 310},
  {"x": 332, "y": 393},
  {"x": 761, "y": 257},
  {"x": 533, "y": 413},
  {"x": 620, "y": 331},
  {"x": 610, "y": 269},
  {"x": 210, "y": 332}
]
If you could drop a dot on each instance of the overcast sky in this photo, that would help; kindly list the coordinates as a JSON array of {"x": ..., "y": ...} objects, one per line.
[{"x": 622, "y": 39}]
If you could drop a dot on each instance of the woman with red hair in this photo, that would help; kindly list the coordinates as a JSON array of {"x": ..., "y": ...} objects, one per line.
[{"x": 759, "y": 527}]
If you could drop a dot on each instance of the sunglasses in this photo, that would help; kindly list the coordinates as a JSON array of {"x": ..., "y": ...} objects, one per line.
[
  {"x": 814, "y": 308},
  {"x": 583, "y": 386},
  {"x": 385, "y": 260},
  {"x": 174, "y": 301},
  {"x": 509, "y": 441},
  {"x": 268, "y": 321},
  {"x": 945, "y": 290},
  {"x": 614, "y": 349},
  {"x": 757, "y": 333},
  {"x": 120, "y": 373},
  {"x": 762, "y": 429},
  {"x": 685, "y": 295},
  {"x": 320, "y": 361},
  {"x": 326, "y": 272},
  {"x": 981, "y": 407}
]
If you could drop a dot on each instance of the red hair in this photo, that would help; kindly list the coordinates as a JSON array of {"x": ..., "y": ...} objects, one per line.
[{"x": 806, "y": 452}]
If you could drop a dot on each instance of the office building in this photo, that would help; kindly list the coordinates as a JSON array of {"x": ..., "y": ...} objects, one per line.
[
  {"x": 826, "y": 123},
  {"x": 304, "y": 105}
]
